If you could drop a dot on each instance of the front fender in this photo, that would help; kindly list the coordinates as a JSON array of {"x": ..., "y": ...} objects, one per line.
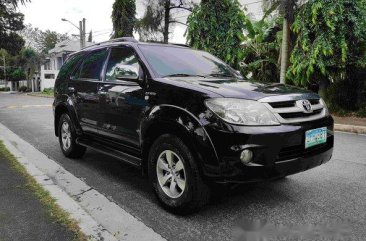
[{"x": 159, "y": 117}]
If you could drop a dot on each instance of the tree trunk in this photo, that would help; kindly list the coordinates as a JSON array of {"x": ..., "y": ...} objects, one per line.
[
  {"x": 284, "y": 51},
  {"x": 166, "y": 21}
]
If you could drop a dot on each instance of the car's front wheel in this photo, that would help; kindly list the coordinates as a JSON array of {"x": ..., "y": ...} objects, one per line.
[
  {"x": 67, "y": 138},
  {"x": 175, "y": 177}
]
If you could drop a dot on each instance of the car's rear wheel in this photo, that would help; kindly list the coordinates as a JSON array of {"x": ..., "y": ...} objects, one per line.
[
  {"x": 175, "y": 177},
  {"x": 67, "y": 138}
]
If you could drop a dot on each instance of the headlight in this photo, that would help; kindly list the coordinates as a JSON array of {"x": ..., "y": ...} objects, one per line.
[{"x": 242, "y": 112}]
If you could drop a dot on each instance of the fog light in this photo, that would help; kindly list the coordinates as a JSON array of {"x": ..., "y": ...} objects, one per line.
[{"x": 246, "y": 156}]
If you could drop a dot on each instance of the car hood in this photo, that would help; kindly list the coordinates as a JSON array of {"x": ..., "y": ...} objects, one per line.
[{"x": 231, "y": 88}]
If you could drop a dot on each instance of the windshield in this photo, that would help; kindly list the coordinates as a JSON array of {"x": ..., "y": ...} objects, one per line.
[{"x": 171, "y": 61}]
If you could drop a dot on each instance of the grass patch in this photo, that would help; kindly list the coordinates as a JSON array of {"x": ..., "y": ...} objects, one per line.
[{"x": 52, "y": 209}]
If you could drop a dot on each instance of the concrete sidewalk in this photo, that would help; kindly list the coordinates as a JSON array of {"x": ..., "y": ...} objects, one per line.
[
  {"x": 350, "y": 124},
  {"x": 22, "y": 215}
]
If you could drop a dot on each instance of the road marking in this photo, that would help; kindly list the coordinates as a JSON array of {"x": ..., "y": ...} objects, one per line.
[
  {"x": 23, "y": 106},
  {"x": 98, "y": 217}
]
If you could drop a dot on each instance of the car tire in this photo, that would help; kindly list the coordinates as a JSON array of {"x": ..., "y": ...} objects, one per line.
[
  {"x": 179, "y": 185},
  {"x": 67, "y": 138}
]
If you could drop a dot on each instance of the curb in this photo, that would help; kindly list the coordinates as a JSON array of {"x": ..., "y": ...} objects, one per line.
[
  {"x": 99, "y": 218},
  {"x": 350, "y": 128}
]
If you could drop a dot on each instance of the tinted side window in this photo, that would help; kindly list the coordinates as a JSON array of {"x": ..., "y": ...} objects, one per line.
[
  {"x": 93, "y": 65},
  {"x": 121, "y": 59},
  {"x": 69, "y": 66}
]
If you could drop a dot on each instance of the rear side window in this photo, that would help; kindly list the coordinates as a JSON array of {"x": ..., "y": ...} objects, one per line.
[
  {"x": 69, "y": 66},
  {"x": 93, "y": 65}
]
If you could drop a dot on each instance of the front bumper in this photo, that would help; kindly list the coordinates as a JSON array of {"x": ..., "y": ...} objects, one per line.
[{"x": 278, "y": 150}]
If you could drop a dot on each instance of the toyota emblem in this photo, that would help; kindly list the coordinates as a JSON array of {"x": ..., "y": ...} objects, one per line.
[{"x": 305, "y": 105}]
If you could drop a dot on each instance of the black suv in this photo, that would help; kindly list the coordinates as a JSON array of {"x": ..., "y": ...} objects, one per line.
[{"x": 186, "y": 119}]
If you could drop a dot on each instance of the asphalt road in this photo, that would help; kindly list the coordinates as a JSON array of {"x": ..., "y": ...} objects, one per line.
[{"x": 332, "y": 193}]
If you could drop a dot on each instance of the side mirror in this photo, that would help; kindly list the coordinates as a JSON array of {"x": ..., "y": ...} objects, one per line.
[{"x": 126, "y": 72}]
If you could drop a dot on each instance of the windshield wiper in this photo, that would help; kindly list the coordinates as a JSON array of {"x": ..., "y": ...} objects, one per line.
[{"x": 184, "y": 75}]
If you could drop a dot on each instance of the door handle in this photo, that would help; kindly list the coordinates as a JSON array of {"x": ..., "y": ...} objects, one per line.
[
  {"x": 104, "y": 95},
  {"x": 71, "y": 90}
]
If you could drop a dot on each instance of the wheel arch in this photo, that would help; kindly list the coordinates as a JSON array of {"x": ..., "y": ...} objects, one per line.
[
  {"x": 181, "y": 123},
  {"x": 62, "y": 108}
]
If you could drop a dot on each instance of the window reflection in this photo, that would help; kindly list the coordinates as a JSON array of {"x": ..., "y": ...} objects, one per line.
[
  {"x": 122, "y": 62},
  {"x": 172, "y": 60}
]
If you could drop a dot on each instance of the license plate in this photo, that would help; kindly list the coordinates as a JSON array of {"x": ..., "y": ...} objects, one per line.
[{"x": 315, "y": 137}]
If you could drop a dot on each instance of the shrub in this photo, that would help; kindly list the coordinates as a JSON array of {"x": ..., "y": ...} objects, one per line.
[
  {"x": 23, "y": 89},
  {"x": 48, "y": 91},
  {"x": 361, "y": 112},
  {"x": 5, "y": 89}
]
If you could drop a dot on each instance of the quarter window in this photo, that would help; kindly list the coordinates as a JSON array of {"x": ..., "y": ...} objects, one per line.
[
  {"x": 122, "y": 63},
  {"x": 93, "y": 65}
]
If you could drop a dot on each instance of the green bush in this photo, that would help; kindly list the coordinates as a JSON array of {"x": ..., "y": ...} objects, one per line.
[
  {"x": 361, "y": 112},
  {"x": 5, "y": 89},
  {"x": 48, "y": 91},
  {"x": 341, "y": 95},
  {"x": 23, "y": 89}
]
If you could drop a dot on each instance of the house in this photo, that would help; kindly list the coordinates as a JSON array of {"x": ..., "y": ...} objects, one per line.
[{"x": 55, "y": 59}]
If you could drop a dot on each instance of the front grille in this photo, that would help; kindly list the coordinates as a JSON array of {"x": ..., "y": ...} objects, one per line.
[
  {"x": 292, "y": 152},
  {"x": 287, "y": 111},
  {"x": 282, "y": 104},
  {"x": 300, "y": 114},
  {"x": 291, "y": 103}
]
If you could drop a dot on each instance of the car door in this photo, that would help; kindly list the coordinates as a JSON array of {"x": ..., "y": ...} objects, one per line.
[
  {"x": 122, "y": 97},
  {"x": 83, "y": 87}
]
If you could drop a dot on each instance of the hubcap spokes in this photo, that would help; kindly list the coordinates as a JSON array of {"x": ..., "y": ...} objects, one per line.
[
  {"x": 66, "y": 136},
  {"x": 171, "y": 174}
]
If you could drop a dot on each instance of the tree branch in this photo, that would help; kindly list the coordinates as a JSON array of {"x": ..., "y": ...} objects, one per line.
[
  {"x": 175, "y": 21},
  {"x": 180, "y": 7}
]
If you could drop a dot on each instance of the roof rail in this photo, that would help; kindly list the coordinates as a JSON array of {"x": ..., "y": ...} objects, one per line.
[
  {"x": 176, "y": 44},
  {"x": 182, "y": 45},
  {"x": 124, "y": 39}
]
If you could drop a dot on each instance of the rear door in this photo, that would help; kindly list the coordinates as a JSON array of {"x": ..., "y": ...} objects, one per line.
[
  {"x": 83, "y": 88},
  {"x": 122, "y": 101}
]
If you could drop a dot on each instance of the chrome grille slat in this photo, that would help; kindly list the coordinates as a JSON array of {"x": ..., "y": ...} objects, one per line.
[
  {"x": 287, "y": 111},
  {"x": 295, "y": 109}
]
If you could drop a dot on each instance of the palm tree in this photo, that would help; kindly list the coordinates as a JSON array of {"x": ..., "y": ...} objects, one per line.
[
  {"x": 31, "y": 61},
  {"x": 287, "y": 9},
  {"x": 15, "y": 2}
]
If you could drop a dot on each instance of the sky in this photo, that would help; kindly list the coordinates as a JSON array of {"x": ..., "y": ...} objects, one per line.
[{"x": 47, "y": 14}]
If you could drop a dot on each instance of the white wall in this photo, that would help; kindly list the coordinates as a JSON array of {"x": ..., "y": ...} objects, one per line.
[{"x": 47, "y": 83}]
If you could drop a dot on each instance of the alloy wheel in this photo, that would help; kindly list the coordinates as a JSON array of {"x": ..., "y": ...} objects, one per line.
[
  {"x": 66, "y": 136},
  {"x": 171, "y": 174}
]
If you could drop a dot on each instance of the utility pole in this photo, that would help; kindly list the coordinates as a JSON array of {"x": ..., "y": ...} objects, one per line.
[
  {"x": 4, "y": 62},
  {"x": 81, "y": 34},
  {"x": 82, "y": 31}
]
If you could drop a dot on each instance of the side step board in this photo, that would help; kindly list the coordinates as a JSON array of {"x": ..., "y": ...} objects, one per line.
[{"x": 130, "y": 159}]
